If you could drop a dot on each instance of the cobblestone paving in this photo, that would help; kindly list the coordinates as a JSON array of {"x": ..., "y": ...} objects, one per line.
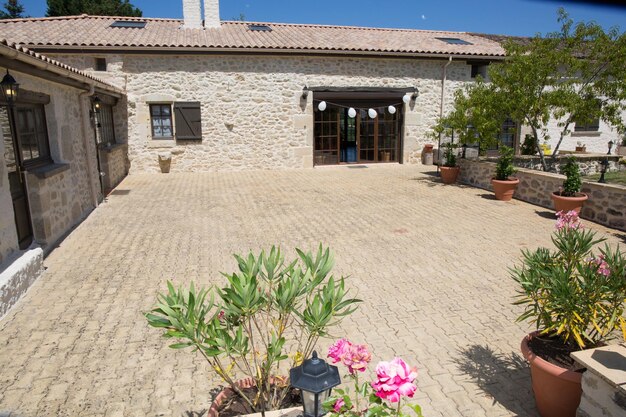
[{"x": 430, "y": 262}]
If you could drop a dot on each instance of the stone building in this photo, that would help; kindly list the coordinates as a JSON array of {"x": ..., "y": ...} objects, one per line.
[{"x": 54, "y": 142}]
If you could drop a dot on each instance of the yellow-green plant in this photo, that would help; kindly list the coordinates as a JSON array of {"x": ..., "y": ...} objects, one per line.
[
  {"x": 571, "y": 292},
  {"x": 244, "y": 327}
]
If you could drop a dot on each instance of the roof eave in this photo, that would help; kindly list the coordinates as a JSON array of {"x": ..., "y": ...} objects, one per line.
[{"x": 193, "y": 50}]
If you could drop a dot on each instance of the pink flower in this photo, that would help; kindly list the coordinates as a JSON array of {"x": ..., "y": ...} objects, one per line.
[
  {"x": 221, "y": 315},
  {"x": 338, "y": 350},
  {"x": 356, "y": 358},
  {"x": 603, "y": 266},
  {"x": 567, "y": 221},
  {"x": 339, "y": 405},
  {"x": 393, "y": 380}
]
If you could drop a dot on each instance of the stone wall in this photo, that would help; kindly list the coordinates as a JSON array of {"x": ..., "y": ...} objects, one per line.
[
  {"x": 604, "y": 381},
  {"x": 20, "y": 274},
  {"x": 606, "y": 204},
  {"x": 252, "y": 113},
  {"x": 588, "y": 164},
  {"x": 8, "y": 234},
  {"x": 115, "y": 165}
]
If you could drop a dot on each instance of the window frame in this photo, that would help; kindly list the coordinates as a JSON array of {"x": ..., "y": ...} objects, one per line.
[
  {"x": 97, "y": 61},
  {"x": 590, "y": 127},
  {"x": 106, "y": 123},
  {"x": 42, "y": 137},
  {"x": 171, "y": 119}
]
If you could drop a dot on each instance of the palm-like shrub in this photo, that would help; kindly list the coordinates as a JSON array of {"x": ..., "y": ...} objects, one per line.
[
  {"x": 245, "y": 327},
  {"x": 504, "y": 167},
  {"x": 571, "y": 292}
]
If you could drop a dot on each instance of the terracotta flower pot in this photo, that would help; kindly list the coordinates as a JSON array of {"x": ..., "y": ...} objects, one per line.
[
  {"x": 505, "y": 189},
  {"x": 562, "y": 203},
  {"x": 449, "y": 174},
  {"x": 557, "y": 390}
]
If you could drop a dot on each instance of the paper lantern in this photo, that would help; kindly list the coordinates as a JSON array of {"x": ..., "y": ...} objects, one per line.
[
  {"x": 322, "y": 106},
  {"x": 351, "y": 113},
  {"x": 391, "y": 110},
  {"x": 372, "y": 113},
  {"x": 406, "y": 99}
]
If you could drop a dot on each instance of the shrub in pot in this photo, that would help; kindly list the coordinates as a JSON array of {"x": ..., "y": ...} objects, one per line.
[
  {"x": 569, "y": 196},
  {"x": 504, "y": 184},
  {"x": 449, "y": 170},
  {"x": 242, "y": 329},
  {"x": 575, "y": 297}
]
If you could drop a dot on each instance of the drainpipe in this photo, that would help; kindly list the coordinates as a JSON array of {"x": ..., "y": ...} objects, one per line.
[
  {"x": 93, "y": 189},
  {"x": 444, "y": 75}
]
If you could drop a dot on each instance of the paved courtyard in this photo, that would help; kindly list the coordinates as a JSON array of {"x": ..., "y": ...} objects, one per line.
[{"x": 429, "y": 261}]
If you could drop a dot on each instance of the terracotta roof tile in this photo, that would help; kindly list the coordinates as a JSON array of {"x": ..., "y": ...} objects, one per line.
[
  {"x": 25, "y": 51},
  {"x": 95, "y": 31}
]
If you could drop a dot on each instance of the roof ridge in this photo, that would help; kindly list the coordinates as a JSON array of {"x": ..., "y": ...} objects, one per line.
[
  {"x": 87, "y": 16},
  {"x": 237, "y": 22}
]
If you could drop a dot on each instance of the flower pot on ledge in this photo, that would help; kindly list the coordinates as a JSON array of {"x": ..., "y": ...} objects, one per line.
[
  {"x": 565, "y": 204},
  {"x": 557, "y": 390},
  {"x": 504, "y": 189},
  {"x": 449, "y": 174}
]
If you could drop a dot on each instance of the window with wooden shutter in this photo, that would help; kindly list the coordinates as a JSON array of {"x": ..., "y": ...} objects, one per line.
[{"x": 187, "y": 116}]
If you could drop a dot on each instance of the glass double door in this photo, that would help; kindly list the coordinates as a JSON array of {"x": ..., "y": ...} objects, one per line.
[{"x": 341, "y": 139}]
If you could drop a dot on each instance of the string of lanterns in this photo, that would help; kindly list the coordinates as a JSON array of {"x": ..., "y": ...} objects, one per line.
[{"x": 321, "y": 106}]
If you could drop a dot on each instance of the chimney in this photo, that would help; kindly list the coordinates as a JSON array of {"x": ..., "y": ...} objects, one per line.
[
  {"x": 212, "y": 13},
  {"x": 192, "y": 14}
]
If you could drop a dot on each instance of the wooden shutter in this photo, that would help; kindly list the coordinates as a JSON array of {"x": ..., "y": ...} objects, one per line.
[{"x": 188, "y": 120}]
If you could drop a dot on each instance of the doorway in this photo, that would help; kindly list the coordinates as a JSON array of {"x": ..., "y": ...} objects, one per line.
[
  {"x": 17, "y": 180},
  {"x": 346, "y": 133}
]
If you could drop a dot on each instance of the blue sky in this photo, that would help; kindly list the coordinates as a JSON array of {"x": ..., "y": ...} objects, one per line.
[{"x": 511, "y": 17}]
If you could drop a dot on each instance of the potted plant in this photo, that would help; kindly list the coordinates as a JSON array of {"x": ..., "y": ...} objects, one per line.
[
  {"x": 581, "y": 147},
  {"x": 569, "y": 196},
  {"x": 449, "y": 170},
  {"x": 575, "y": 298},
  {"x": 504, "y": 184},
  {"x": 243, "y": 329},
  {"x": 381, "y": 397}
]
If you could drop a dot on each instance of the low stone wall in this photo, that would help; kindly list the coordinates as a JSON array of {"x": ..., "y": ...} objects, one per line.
[
  {"x": 604, "y": 383},
  {"x": 20, "y": 273},
  {"x": 606, "y": 204},
  {"x": 114, "y": 163},
  {"x": 589, "y": 164}
]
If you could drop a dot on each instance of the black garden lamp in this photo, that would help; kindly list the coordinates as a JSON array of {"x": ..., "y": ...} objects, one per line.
[
  {"x": 605, "y": 165},
  {"x": 10, "y": 88},
  {"x": 315, "y": 379},
  {"x": 610, "y": 147}
]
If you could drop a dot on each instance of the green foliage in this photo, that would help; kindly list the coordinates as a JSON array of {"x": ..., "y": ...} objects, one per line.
[
  {"x": 476, "y": 117},
  {"x": 376, "y": 407},
  {"x": 14, "y": 10},
  {"x": 529, "y": 146},
  {"x": 92, "y": 7},
  {"x": 565, "y": 292},
  {"x": 450, "y": 155},
  {"x": 573, "y": 181},
  {"x": 504, "y": 167},
  {"x": 245, "y": 326}
]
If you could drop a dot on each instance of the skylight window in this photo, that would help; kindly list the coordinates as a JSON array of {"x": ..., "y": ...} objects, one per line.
[
  {"x": 455, "y": 41},
  {"x": 128, "y": 24},
  {"x": 260, "y": 28}
]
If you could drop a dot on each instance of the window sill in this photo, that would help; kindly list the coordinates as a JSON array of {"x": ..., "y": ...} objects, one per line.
[
  {"x": 162, "y": 143},
  {"x": 49, "y": 170},
  {"x": 585, "y": 134}
]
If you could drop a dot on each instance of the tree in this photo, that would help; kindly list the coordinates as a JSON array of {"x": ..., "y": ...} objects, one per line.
[
  {"x": 576, "y": 74},
  {"x": 92, "y": 7},
  {"x": 476, "y": 117},
  {"x": 14, "y": 10}
]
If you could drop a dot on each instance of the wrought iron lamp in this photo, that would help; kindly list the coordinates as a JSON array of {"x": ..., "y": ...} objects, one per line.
[
  {"x": 605, "y": 165},
  {"x": 315, "y": 378},
  {"x": 610, "y": 147},
  {"x": 10, "y": 88}
]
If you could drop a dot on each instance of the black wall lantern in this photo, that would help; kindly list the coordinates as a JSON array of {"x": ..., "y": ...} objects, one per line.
[
  {"x": 315, "y": 378},
  {"x": 10, "y": 88},
  {"x": 96, "y": 104}
]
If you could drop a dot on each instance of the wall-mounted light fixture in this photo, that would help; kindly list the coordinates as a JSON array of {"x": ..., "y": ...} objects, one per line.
[
  {"x": 10, "y": 88},
  {"x": 305, "y": 93}
]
